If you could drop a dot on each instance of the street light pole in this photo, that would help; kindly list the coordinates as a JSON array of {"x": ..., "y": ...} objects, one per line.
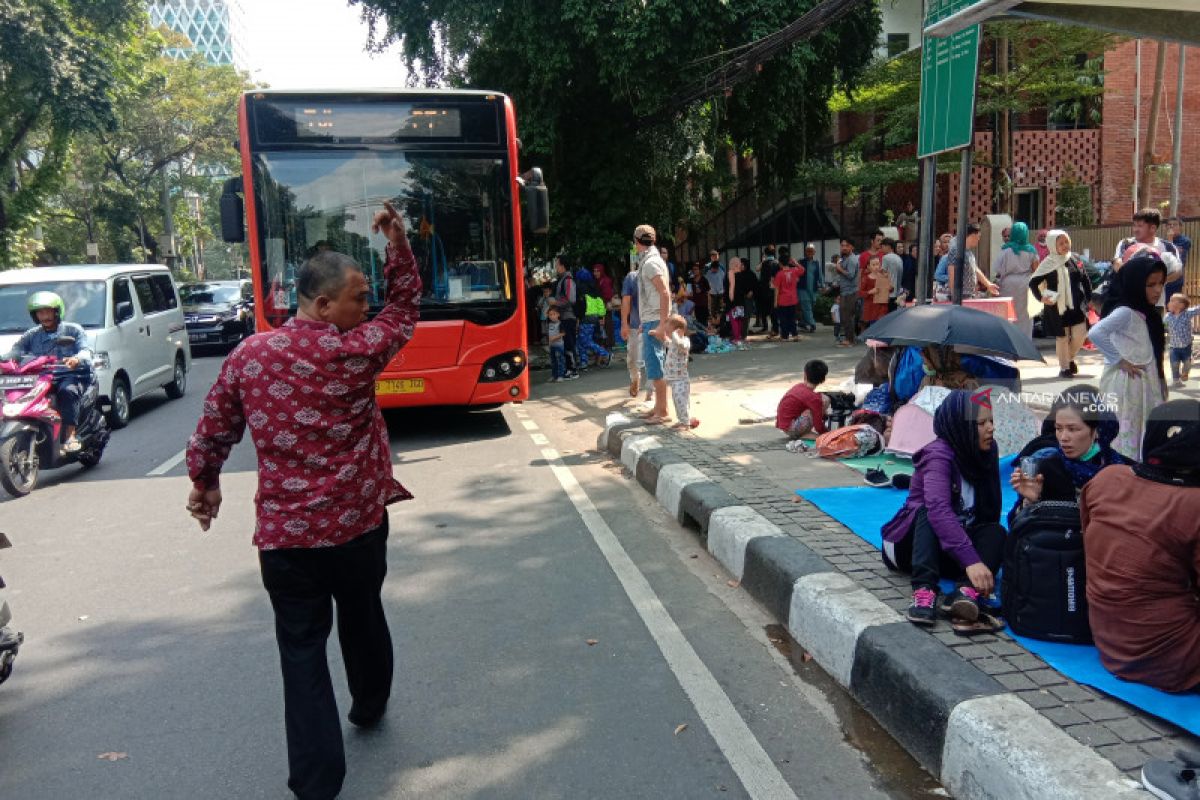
[{"x": 1177, "y": 144}]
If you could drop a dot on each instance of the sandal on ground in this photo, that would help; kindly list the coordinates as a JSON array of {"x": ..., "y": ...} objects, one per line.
[
  {"x": 653, "y": 420},
  {"x": 986, "y": 623}
]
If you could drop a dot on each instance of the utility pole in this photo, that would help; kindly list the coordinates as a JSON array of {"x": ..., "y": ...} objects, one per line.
[
  {"x": 1177, "y": 144},
  {"x": 1160, "y": 69}
]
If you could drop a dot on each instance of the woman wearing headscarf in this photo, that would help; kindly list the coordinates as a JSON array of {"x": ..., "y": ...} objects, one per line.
[
  {"x": 950, "y": 524},
  {"x": 1143, "y": 555},
  {"x": 1132, "y": 338},
  {"x": 1013, "y": 270},
  {"x": 1075, "y": 444},
  {"x": 1061, "y": 286}
]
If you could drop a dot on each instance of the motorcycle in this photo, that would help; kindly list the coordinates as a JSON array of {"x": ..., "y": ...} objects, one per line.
[
  {"x": 31, "y": 429},
  {"x": 10, "y": 640}
]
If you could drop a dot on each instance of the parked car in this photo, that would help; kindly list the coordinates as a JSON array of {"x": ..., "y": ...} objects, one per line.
[
  {"x": 218, "y": 312},
  {"x": 133, "y": 318}
]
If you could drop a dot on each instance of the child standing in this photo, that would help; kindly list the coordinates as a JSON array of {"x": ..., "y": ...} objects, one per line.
[
  {"x": 1179, "y": 330},
  {"x": 835, "y": 313},
  {"x": 877, "y": 288},
  {"x": 1132, "y": 338},
  {"x": 558, "y": 347},
  {"x": 675, "y": 370}
]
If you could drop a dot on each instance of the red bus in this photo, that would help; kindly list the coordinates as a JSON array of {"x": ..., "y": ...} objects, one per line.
[{"x": 315, "y": 168}]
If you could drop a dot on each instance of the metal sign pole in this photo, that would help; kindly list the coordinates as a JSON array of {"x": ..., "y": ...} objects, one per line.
[
  {"x": 925, "y": 234},
  {"x": 964, "y": 199}
]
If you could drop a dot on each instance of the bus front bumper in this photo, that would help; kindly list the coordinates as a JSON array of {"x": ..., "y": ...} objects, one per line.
[{"x": 450, "y": 386}]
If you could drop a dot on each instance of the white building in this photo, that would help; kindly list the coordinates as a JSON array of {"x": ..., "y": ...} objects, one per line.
[
  {"x": 901, "y": 29},
  {"x": 216, "y": 28}
]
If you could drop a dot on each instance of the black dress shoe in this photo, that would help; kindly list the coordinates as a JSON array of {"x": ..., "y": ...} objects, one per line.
[
  {"x": 1074, "y": 368},
  {"x": 364, "y": 719}
]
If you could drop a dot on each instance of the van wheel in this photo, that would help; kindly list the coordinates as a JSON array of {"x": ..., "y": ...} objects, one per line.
[
  {"x": 178, "y": 386},
  {"x": 118, "y": 412}
]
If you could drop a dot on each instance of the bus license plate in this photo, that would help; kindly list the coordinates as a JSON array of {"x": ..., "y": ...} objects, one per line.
[{"x": 400, "y": 386}]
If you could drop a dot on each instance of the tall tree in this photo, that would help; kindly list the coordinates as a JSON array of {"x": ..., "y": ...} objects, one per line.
[
  {"x": 60, "y": 61},
  {"x": 593, "y": 82},
  {"x": 176, "y": 122}
]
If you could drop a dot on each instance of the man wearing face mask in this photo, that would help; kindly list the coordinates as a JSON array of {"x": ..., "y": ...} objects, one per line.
[{"x": 307, "y": 392}]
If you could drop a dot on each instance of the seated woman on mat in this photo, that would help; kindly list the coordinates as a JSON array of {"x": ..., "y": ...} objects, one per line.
[
  {"x": 1143, "y": 555},
  {"x": 1076, "y": 443},
  {"x": 950, "y": 524}
]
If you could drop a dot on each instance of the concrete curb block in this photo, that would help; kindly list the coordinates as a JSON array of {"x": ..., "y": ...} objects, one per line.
[
  {"x": 1000, "y": 747},
  {"x": 632, "y": 448},
  {"x": 903, "y": 677},
  {"x": 829, "y": 611},
  {"x": 699, "y": 500},
  {"x": 651, "y": 464},
  {"x": 672, "y": 480},
  {"x": 958, "y": 722},
  {"x": 730, "y": 531}
]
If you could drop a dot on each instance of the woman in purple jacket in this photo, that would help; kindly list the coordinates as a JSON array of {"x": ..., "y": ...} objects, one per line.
[{"x": 950, "y": 524}]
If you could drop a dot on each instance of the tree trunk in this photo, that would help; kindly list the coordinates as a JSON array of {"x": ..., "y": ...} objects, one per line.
[
  {"x": 1004, "y": 137},
  {"x": 1160, "y": 69}
]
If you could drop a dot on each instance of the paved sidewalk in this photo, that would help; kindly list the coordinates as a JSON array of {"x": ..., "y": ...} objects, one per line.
[{"x": 744, "y": 466}]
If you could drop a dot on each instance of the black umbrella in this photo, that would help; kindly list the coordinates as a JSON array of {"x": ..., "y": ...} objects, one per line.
[{"x": 965, "y": 330}]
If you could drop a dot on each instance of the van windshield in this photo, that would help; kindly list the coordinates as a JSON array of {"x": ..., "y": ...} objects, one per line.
[{"x": 85, "y": 302}]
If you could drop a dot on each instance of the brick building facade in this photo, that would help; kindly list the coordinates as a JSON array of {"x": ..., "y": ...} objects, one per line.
[{"x": 1117, "y": 135}]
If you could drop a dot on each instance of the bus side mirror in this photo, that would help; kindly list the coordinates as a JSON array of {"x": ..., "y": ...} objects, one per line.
[
  {"x": 537, "y": 202},
  {"x": 233, "y": 228}
]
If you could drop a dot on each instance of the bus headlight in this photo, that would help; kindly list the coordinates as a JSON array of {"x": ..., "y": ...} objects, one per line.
[{"x": 503, "y": 367}]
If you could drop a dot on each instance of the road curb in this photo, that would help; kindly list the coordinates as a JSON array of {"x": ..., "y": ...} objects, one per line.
[{"x": 981, "y": 741}]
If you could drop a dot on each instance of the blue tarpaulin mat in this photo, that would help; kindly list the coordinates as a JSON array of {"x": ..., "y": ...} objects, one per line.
[{"x": 865, "y": 510}]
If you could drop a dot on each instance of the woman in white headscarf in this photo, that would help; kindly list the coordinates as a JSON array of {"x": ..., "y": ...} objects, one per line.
[{"x": 1061, "y": 286}]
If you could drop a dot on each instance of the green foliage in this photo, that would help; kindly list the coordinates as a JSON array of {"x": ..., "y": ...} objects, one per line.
[
  {"x": 175, "y": 123},
  {"x": 60, "y": 62},
  {"x": 1074, "y": 208},
  {"x": 593, "y": 84},
  {"x": 1051, "y": 66}
]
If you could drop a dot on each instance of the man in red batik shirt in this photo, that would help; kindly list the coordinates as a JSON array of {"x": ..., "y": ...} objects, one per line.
[{"x": 307, "y": 391}]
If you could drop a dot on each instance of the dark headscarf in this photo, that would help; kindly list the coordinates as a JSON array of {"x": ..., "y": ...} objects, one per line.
[
  {"x": 1171, "y": 445},
  {"x": 1084, "y": 400},
  {"x": 1128, "y": 288},
  {"x": 955, "y": 423}
]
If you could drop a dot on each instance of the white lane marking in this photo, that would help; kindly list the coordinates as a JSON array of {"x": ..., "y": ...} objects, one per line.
[
  {"x": 529, "y": 424},
  {"x": 168, "y": 465},
  {"x": 539, "y": 439},
  {"x": 745, "y": 755}
]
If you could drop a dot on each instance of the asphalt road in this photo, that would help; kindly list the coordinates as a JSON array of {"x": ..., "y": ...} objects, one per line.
[{"x": 151, "y": 641}]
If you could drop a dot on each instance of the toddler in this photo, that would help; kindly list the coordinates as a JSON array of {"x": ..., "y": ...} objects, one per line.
[
  {"x": 558, "y": 346},
  {"x": 835, "y": 311},
  {"x": 675, "y": 370},
  {"x": 1179, "y": 326}
]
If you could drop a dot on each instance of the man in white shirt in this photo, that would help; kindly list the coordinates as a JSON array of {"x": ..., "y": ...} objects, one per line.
[
  {"x": 654, "y": 306},
  {"x": 1145, "y": 232}
]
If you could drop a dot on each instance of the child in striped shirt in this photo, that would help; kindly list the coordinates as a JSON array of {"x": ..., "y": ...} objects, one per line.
[{"x": 1179, "y": 330}]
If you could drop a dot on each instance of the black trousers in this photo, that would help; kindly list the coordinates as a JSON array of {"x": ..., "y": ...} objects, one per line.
[
  {"x": 570, "y": 331},
  {"x": 68, "y": 395},
  {"x": 920, "y": 553},
  {"x": 304, "y": 584},
  {"x": 765, "y": 318}
]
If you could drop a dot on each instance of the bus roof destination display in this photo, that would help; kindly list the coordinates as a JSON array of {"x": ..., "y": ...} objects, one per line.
[{"x": 301, "y": 122}]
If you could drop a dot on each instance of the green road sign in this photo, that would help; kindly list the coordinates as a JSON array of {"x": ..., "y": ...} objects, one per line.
[{"x": 949, "y": 70}]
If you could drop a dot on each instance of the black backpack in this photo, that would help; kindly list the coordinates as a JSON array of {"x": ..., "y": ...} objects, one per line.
[
  {"x": 841, "y": 406},
  {"x": 1043, "y": 588}
]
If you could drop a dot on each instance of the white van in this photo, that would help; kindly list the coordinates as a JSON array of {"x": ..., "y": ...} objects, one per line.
[{"x": 133, "y": 318}]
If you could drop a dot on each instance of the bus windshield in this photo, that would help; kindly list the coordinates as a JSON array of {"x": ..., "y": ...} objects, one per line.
[{"x": 457, "y": 210}]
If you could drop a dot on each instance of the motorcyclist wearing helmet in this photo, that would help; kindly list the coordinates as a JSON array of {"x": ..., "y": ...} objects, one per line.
[{"x": 49, "y": 338}]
